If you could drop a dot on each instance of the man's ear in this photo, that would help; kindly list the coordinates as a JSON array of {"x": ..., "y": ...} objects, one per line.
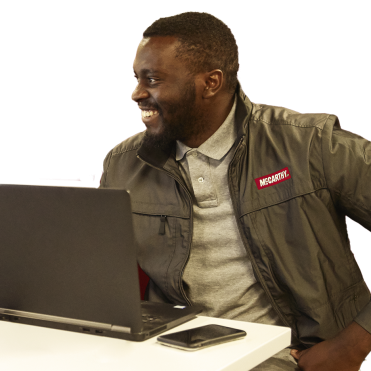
[{"x": 213, "y": 83}]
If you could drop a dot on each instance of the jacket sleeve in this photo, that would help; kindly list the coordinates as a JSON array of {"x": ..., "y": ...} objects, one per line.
[
  {"x": 105, "y": 170},
  {"x": 347, "y": 168}
]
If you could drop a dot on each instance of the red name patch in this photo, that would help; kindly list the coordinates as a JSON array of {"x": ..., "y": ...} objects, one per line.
[{"x": 273, "y": 179}]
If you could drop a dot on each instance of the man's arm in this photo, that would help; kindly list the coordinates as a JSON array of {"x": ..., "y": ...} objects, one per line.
[
  {"x": 347, "y": 167},
  {"x": 345, "y": 352}
]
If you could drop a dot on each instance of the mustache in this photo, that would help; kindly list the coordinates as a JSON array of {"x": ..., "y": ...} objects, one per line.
[{"x": 149, "y": 105}]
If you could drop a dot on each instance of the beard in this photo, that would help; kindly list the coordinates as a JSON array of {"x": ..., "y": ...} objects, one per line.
[{"x": 186, "y": 122}]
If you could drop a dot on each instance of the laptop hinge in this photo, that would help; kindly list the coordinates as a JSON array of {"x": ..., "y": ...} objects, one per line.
[
  {"x": 68, "y": 321},
  {"x": 126, "y": 330}
]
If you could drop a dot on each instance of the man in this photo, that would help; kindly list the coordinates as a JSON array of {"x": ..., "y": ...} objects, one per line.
[{"x": 241, "y": 207}]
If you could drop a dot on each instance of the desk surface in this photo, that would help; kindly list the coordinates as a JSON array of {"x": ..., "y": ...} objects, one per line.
[{"x": 24, "y": 347}]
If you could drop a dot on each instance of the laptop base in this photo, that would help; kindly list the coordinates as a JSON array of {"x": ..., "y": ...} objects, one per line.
[{"x": 157, "y": 318}]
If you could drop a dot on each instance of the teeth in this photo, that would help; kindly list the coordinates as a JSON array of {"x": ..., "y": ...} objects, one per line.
[{"x": 149, "y": 113}]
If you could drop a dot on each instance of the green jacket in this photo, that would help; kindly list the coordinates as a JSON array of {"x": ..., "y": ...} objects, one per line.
[{"x": 293, "y": 179}]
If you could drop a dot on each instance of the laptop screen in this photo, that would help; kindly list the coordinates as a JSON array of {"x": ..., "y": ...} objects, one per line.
[{"x": 69, "y": 252}]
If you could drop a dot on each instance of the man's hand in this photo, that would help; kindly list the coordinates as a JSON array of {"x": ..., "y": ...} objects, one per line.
[
  {"x": 326, "y": 356},
  {"x": 345, "y": 352}
]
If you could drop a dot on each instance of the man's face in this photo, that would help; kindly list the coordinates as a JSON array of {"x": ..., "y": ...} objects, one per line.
[{"x": 166, "y": 93}]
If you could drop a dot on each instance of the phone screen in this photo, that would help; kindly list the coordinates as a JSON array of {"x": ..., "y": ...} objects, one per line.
[{"x": 200, "y": 337}]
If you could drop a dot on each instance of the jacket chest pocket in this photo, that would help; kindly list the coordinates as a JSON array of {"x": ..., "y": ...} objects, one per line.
[
  {"x": 155, "y": 239},
  {"x": 161, "y": 240}
]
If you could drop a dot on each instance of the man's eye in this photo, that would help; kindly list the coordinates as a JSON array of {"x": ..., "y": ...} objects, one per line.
[{"x": 149, "y": 79}]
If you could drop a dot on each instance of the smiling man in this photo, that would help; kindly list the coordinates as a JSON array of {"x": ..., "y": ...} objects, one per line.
[
  {"x": 176, "y": 104},
  {"x": 239, "y": 207}
]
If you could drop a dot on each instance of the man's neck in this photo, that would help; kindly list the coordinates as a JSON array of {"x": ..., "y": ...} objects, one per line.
[{"x": 214, "y": 118}]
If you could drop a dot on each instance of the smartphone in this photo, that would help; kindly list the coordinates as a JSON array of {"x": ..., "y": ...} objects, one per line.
[{"x": 201, "y": 337}]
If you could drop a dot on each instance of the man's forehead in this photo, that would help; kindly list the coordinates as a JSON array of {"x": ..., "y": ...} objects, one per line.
[
  {"x": 157, "y": 47},
  {"x": 159, "y": 42},
  {"x": 144, "y": 41},
  {"x": 155, "y": 53}
]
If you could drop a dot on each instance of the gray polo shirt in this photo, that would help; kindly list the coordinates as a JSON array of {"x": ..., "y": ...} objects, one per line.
[{"x": 219, "y": 275}]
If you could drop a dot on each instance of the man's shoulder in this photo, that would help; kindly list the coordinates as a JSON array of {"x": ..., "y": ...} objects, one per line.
[
  {"x": 129, "y": 144},
  {"x": 274, "y": 115}
]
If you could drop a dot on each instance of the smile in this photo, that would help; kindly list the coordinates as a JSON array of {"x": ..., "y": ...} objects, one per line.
[{"x": 149, "y": 113}]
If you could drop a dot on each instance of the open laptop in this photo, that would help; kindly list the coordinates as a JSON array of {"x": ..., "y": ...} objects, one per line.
[{"x": 68, "y": 261}]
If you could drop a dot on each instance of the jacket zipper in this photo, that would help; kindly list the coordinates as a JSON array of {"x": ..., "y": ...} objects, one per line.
[
  {"x": 253, "y": 262},
  {"x": 162, "y": 224},
  {"x": 191, "y": 227}
]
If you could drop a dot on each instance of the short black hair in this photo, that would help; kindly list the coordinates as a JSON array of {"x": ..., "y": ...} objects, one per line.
[{"x": 206, "y": 43}]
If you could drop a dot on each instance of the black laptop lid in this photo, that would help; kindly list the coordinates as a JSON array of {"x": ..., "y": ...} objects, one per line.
[{"x": 69, "y": 252}]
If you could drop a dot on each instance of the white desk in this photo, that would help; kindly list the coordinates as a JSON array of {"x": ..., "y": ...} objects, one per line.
[{"x": 28, "y": 348}]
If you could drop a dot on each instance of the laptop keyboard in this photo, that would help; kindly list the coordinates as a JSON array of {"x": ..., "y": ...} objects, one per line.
[{"x": 148, "y": 318}]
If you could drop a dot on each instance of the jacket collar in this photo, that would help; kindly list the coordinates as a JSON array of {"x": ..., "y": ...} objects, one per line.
[
  {"x": 243, "y": 112},
  {"x": 158, "y": 158}
]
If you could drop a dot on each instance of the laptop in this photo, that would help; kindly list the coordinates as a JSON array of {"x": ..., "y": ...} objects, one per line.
[{"x": 68, "y": 261}]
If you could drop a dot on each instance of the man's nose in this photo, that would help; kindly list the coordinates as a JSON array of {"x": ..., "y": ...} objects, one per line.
[{"x": 139, "y": 94}]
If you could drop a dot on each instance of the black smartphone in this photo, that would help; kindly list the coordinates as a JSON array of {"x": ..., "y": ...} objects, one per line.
[{"x": 201, "y": 337}]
